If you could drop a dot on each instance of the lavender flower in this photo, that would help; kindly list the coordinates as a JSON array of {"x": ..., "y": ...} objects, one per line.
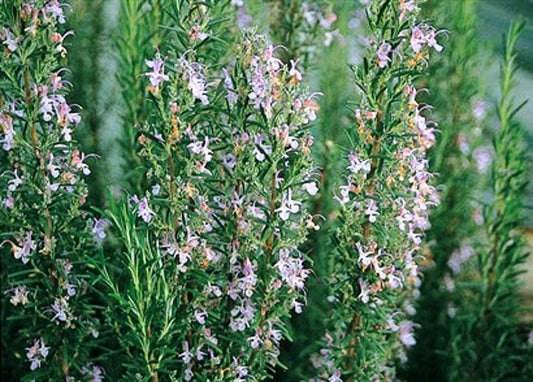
[
  {"x": 99, "y": 230},
  {"x": 37, "y": 353},
  {"x": 144, "y": 211},
  {"x": 157, "y": 76}
]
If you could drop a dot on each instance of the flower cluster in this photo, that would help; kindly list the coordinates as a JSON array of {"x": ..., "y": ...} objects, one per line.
[{"x": 385, "y": 203}]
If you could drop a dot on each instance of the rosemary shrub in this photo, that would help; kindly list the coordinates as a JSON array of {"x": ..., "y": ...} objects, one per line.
[
  {"x": 454, "y": 90},
  {"x": 487, "y": 344},
  {"x": 385, "y": 202},
  {"x": 45, "y": 228}
]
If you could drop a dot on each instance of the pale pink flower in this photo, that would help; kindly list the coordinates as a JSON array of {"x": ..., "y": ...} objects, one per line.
[
  {"x": 408, "y": 6},
  {"x": 356, "y": 165},
  {"x": 94, "y": 372},
  {"x": 294, "y": 73},
  {"x": 186, "y": 356},
  {"x": 144, "y": 211},
  {"x": 14, "y": 183},
  {"x": 198, "y": 87},
  {"x": 364, "y": 295},
  {"x": 291, "y": 269},
  {"x": 54, "y": 7},
  {"x": 98, "y": 230},
  {"x": 61, "y": 309},
  {"x": 6, "y": 127},
  {"x": 424, "y": 35},
  {"x": 27, "y": 246},
  {"x": 364, "y": 257},
  {"x": 200, "y": 316},
  {"x": 255, "y": 341}
]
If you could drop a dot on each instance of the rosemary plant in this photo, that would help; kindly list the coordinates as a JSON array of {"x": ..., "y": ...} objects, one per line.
[
  {"x": 487, "y": 345},
  {"x": 454, "y": 90},
  {"x": 328, "y": 64},
  {"x": 384, "y": 203},
  {"x": 261, "y": 186},
  {"x": 47, "y": 317},
  {"x": 160, "y": 293}
]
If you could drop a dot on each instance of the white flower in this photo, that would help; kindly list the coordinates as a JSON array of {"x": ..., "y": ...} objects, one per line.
[
  {"x": 372, "y": 211},
  {"x": 364, "y": 295},
  {"x": 288, "y": 206},
  {"x": 311, "y": 188},
  {"x": 19, "y": 295}
]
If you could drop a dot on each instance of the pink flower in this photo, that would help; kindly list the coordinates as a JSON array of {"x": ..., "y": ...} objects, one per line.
[
  {"x": 65, "y": 118},
  {"x": 424, "y": 35}
]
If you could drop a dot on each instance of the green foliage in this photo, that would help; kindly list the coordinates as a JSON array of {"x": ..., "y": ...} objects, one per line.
[
  {"x": 454, "y": 89},
  {"x": 383, "y": 202},
  {"x": 487, "y": 343},
  {"x": 139, "y": 32},
  {"x": 230, "y": 255},
  {"x": 48, "y": 318}
]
